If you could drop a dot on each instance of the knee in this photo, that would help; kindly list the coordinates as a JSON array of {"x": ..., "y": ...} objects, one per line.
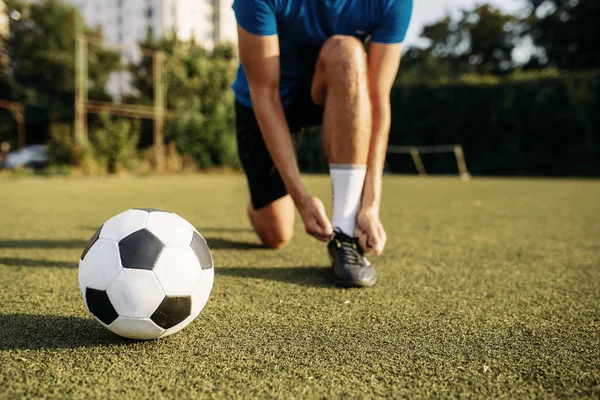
[
  {"x": 274, "y": 225},
  {"x": 345, "y": 53},
  {"x": 275, "y": 239}
]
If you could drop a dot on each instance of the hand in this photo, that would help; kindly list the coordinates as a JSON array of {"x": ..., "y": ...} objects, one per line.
[
  {"x": 315, "y": 219},
  {"x": 372, "y": 237}
]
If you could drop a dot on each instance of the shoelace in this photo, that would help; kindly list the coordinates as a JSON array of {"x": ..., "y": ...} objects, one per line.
[{"x": 348, "y": 252}]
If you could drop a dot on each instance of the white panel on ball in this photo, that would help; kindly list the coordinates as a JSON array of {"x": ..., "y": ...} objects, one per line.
[
  {"x": 124, "y": 224},
  {"x": 202, "y": 291},
  {"x": 100, "y": 266},
  {"x": 178, "y": 270},
  {"x": 135, "y": 293},
  {"x": 170, "y": 228},
  {"x": 136, "y": 328}
]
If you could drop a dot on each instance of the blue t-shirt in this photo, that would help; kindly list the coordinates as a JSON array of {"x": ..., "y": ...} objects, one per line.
[{"x": 304, "y": 25}]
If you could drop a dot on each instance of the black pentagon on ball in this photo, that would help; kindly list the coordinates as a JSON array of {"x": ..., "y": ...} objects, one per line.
[
  {"x": 140, "y": 250},
  {"x": 91, "y": 242},
  {"x": 100, "y": 306},
  {"x": 172, "y": 311},
  {"x": 202, "y": 251},
  {"x": 153, "y": 210}
]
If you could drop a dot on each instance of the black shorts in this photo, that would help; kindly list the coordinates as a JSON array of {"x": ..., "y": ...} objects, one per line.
[{"x": 264, "y": 180}]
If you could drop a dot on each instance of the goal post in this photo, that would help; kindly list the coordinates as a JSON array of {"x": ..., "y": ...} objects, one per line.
[
  {"x": 158, "y": 112},
  {"x": 416, "y": 152}
]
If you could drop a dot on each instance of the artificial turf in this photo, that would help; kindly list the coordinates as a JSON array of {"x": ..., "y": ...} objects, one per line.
[{"x": 487, "y": 289}]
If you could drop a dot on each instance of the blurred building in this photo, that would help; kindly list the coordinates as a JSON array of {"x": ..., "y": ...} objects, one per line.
[{"x": 125, "y": 22}]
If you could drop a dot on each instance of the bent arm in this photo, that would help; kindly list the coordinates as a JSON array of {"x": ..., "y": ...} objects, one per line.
[
  {"x": 260, "y": 57},
  {"x": 384, "y": 61}
]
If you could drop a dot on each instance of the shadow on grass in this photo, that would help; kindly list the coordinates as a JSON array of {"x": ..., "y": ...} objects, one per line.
[
  {"x": 42, "y": 244},
  {"x": 25, "y": 331},
  {"x": 202, "y": 230},
  {"x": 24, "y": 262},
  {"x": 90, "y": 228},
  {"x": 213, "y": 242},
  {"x": 228, "y": 244},
  {"x": 304, "y": 276}
]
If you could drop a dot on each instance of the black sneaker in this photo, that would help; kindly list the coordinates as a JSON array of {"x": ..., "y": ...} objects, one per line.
[{"x": 350, "y": 267}]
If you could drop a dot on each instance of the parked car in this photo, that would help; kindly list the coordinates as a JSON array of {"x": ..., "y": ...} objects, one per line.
[{"x": 33, "y": 157}]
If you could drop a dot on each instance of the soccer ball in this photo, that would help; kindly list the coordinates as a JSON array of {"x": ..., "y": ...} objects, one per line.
[{"x": 146, "y": 274}]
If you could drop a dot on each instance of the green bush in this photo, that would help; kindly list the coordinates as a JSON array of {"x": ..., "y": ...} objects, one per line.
[
  {"x": 528, "y": 124},
  {"x": 198, "y": 91},
  {"x": 61, "y": 146},
  {"x": 209, "y": 139},
  {"x": 57, "y": 170},
  {"x": 114, "y": 143},
  {"x": 544, "y": 125},
  {"x": 174, "y": 162}
]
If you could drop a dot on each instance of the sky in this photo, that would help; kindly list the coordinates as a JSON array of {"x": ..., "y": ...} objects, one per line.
[{"x": 426, "y": 11}]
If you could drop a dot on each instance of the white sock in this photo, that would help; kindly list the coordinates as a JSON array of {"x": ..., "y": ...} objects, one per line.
[{"x": 347, "y": 184}]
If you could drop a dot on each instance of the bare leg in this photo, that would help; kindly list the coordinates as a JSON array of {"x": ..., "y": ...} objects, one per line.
[
  {"x": 274, "y": 224},
  {"x": 340, "y": 85}
]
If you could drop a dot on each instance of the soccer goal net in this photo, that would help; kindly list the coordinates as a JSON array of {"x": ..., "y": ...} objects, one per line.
[{"x": 415, "y": 153}]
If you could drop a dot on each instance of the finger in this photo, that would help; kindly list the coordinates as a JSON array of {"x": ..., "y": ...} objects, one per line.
[
  {"x": 377, "y": 250},
  {"x": 321, "y": 238},
  {"x": 324, "y": 221},
  {"x": 381, "y": 241},
  {"x": 362, "y": 241},
  {"x": 375, "y": 240},
  {"x": 316, "y": 231},
  {"x": 373, "y": 236},
  {"x": 325, "y": 225}
]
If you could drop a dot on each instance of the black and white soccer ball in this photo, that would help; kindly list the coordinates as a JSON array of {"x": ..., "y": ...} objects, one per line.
[{"x": 146, "y": 274}]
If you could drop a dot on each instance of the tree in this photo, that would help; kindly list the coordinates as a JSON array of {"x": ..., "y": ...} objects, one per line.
[
  {"x": 198, "y": 89},
  {"x": 493, "y": 36},
  {"x": 423, "y": 65},
  {"x": 566, "y": 33},
  {"x": 41, "y": 58},
  {"x": 480, "y": 40}
]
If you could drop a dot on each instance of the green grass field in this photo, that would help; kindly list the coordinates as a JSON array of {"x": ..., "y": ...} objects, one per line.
[{"x": 487, "y": 289}]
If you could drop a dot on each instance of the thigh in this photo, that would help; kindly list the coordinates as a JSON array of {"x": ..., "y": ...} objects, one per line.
[{"x": 264, "y": 181}]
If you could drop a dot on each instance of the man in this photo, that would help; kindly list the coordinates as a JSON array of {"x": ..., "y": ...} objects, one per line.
[{"x": 303, "y": 63}]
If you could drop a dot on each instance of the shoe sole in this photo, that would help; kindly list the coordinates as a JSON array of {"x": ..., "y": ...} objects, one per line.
[
  {"x": 351, "y": 284},
  {"x": 359, "y": 283}
]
